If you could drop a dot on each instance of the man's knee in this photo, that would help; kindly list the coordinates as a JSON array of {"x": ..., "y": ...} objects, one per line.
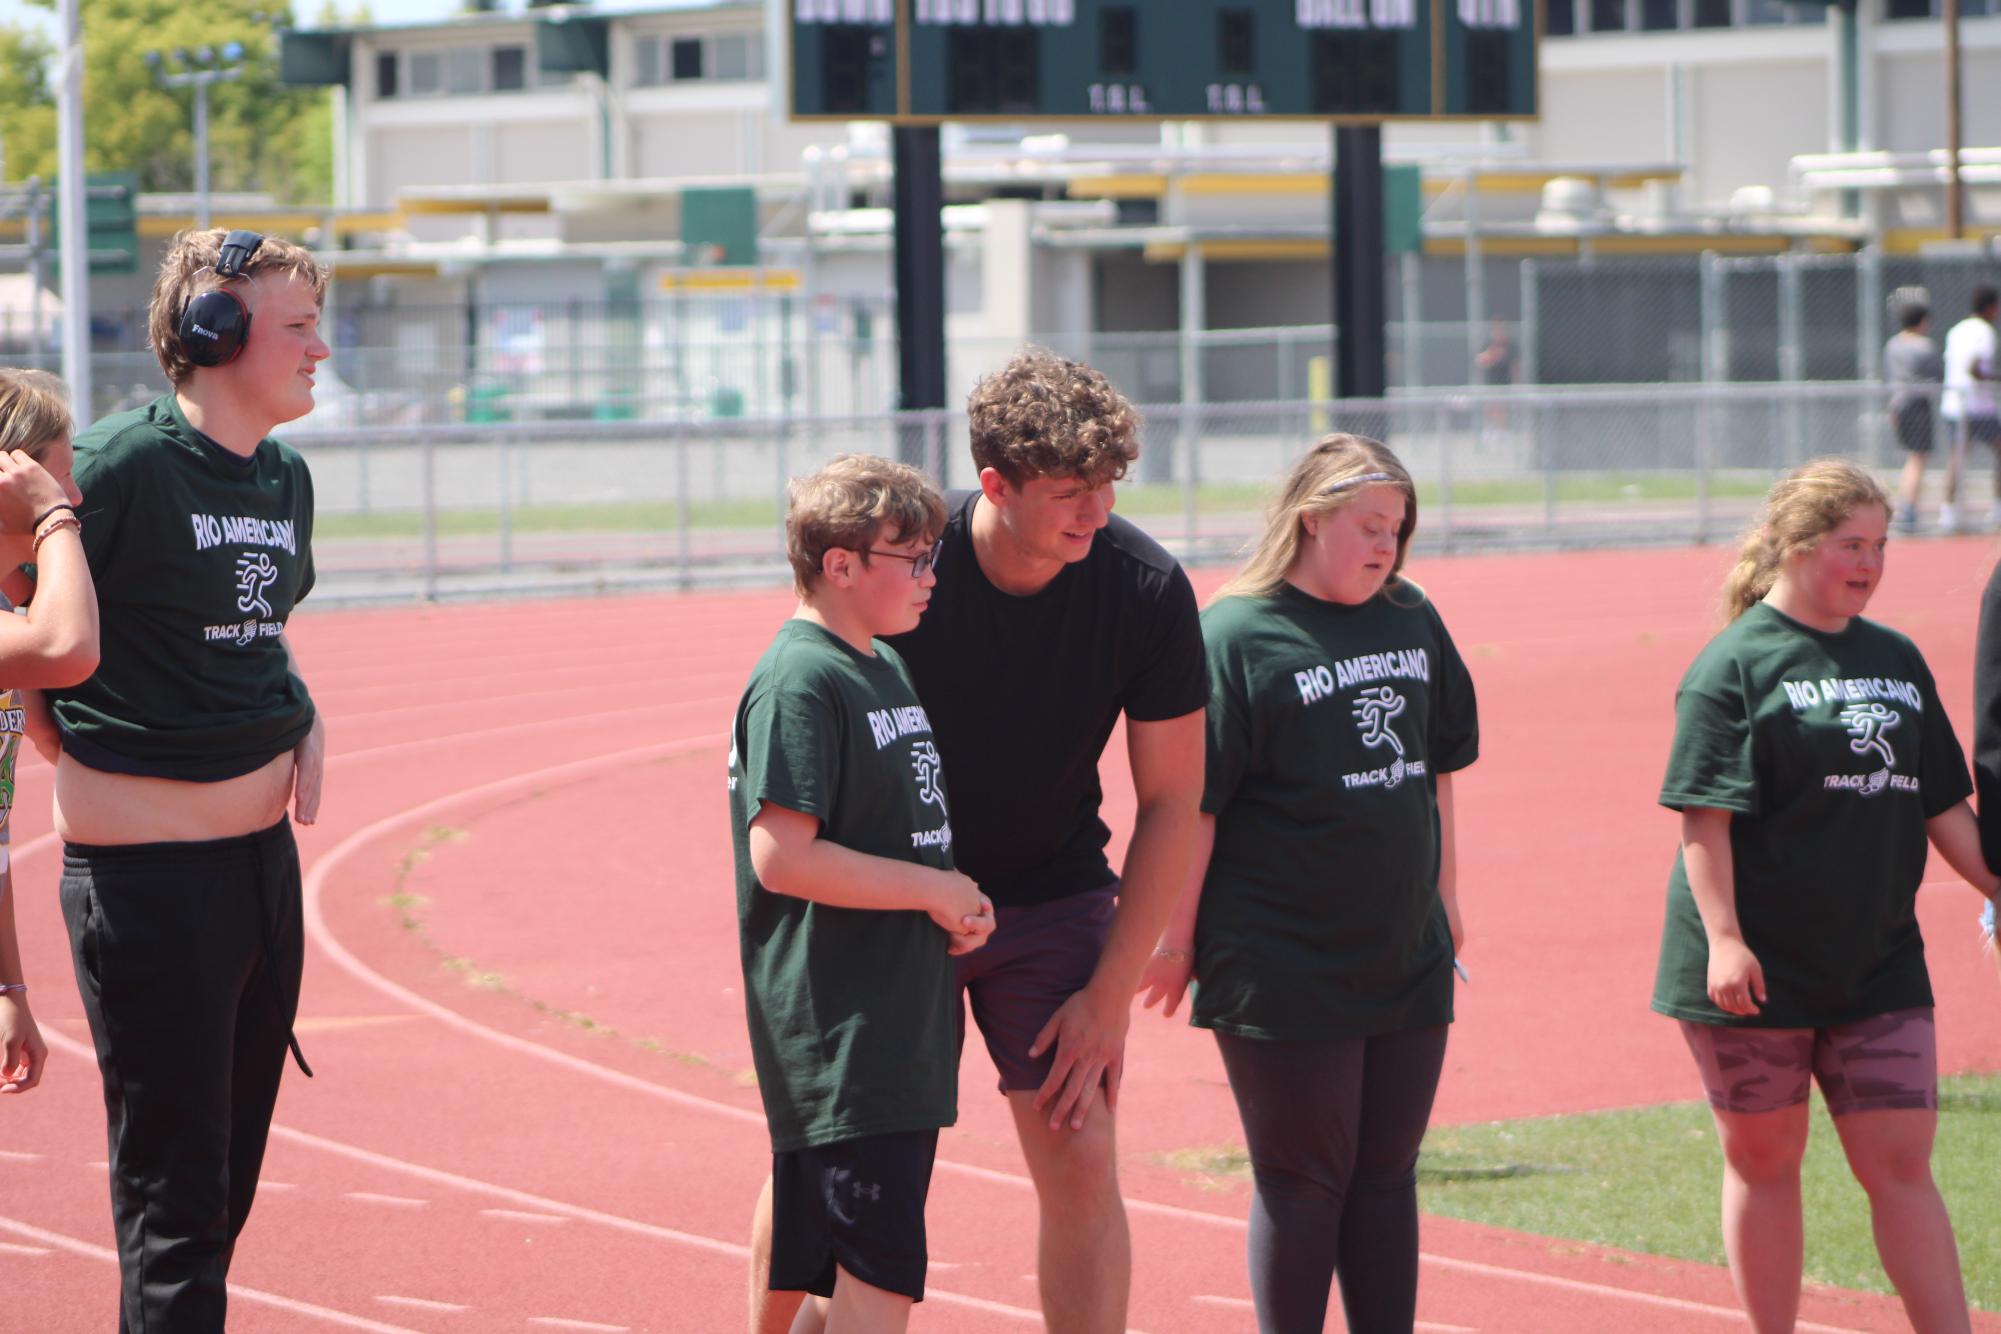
[{"x": 1075, "y": 1165}]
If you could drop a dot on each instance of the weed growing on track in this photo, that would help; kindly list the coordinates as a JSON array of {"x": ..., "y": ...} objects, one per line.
[
  {"x": 1647, "y": 1180},
  {"x": 409, "y": 909}
]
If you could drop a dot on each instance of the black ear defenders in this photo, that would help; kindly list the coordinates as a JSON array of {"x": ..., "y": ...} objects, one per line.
[{"x": 215, "y": 325}]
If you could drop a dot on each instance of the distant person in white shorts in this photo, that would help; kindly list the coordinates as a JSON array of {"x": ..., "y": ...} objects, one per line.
[{"x": 1968, "y": 404}]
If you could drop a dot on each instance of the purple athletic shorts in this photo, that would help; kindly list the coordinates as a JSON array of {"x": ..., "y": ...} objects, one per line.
[
  {"x": 1038, "y": 957},
  {"x": 1887, "y": 1062}
]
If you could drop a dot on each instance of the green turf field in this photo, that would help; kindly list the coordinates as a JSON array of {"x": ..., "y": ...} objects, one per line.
[{"x": 1647, "y": 1180}]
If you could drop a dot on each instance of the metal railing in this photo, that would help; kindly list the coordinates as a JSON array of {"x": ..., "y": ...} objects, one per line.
[{"x": 528, "y": 507}]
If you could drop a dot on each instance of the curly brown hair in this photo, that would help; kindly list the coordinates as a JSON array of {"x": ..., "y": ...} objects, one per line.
[
  {"x": 855, "y": 500},
  {"x": 1048, "y": 416},
  {"x": 188, "y": 271}
]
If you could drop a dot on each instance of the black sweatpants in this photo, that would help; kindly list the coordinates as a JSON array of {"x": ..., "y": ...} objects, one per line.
[
  {"x": 188, "y": 958},
  {"x": 1333, "y": 1130}
]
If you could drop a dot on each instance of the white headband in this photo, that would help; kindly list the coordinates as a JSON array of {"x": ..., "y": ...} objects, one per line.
[{"x": 1362, "y": 480}]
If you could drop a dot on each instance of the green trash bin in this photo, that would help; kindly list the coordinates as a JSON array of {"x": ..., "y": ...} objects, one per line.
[
  {"x": 726, "y": 401},
  {"x": 487, "y": 403}
]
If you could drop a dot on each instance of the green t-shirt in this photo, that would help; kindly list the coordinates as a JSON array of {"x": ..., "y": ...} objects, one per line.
[
  {"x": 1830, "y": 751},
  {"x": 852, "y": 1029},
  {"x": 1328, "y": 728},
  {"x": 199, "y": 556}
]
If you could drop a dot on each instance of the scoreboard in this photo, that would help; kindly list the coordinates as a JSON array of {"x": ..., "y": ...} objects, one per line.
[{"x": 919, "y": 62}]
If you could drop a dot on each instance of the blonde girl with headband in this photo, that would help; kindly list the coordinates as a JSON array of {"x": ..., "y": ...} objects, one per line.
[
  {"x": 54, "y": 644},
  {"x": 1811, "y": 762},
  {"x": 1322, "y": 913}
]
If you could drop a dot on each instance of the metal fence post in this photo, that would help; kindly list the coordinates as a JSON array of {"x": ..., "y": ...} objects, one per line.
[
  {"x": 1869, "y": 313},
  {"x": 1444, "y": 481},
  {"x": 1792, "y": 352},
  {"x": 1411, "y": 277},
  {"x": 506, "y": 474},
  {"x": 428, "y": 490},
  {"x": 1191, "y": 469},
  {"x": 682, "y": 519},
  {"x": 934, "y": 445}
]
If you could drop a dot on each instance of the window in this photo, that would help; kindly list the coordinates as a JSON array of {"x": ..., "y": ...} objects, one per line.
[
  {"x": 730, "y": 57},
  {"x": 385, "y": 74},
  {"x": 687, "y": 58},
  {"x": 1660, "y": 15},
  {"x": 1711, "y": 14},
  {"x": 1560, "y": 16},
  {"x": 465, "y": 71},
  {"x": 427, "y": 73},
  {"x": 646, "y": 62},
  {"x": 510, "y": 69},
  {"x": 1608, "y": 15}
]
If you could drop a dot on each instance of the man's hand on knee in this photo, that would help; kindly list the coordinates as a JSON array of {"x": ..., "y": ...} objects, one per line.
[{"x": 1088, "y": 1032}]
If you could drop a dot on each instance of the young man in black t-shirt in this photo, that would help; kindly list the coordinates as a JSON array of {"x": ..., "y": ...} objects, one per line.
[
  {"x": 1051, "y": 619},
  {"x": 179, "y": 757}
]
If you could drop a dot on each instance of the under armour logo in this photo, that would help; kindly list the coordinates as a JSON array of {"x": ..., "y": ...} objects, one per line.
[
  {"x": 930, "y": 774},
  {"x": 1867, "y": 723},
  {"x": 254, "y": 574},
  {"x": 1373, "y": 711},
  {"x": 872, "y": 1192}
]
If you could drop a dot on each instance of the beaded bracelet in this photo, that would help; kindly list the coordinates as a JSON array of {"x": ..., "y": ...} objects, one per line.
[
  {"x": 43, "y": 534},
  {"x": 6, "y": 987},
  {"x": 65, "y": 505}
]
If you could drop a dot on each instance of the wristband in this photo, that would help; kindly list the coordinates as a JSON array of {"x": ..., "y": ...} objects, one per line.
[
  {"x": 65, "y": 505},
  {"x": 1179, "y": 956},
  {"x": 6, "y": 987},
  {"x": 56, "y": 526}
]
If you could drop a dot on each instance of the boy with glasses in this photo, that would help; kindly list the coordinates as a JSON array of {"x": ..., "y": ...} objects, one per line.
[{"x": 848, "y": 905}]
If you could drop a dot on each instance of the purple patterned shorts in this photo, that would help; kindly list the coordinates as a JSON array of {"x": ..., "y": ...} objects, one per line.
[{"x": 1886, "y": 1062}]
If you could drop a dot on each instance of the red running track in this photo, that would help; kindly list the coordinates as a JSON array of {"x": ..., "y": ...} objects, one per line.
[{"x": 532, "y": 1113}]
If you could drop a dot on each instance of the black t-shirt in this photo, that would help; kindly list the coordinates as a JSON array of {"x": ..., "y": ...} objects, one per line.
[
  {"x": 1987, "y": 719},
  {"x": 1023, "y": 693}
]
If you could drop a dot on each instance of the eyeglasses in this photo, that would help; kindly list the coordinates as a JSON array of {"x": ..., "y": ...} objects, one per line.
[{"x": 920, "y": 564}]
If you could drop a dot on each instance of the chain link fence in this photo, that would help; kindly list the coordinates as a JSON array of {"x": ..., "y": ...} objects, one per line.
[{"x": 513, "y": 508}]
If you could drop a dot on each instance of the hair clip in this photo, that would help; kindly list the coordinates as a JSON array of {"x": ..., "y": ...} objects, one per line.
[{"x": 1364, "y": 479}]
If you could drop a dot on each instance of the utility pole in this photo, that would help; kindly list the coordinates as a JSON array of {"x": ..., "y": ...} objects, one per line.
[
  {"x": 1955, "y": 203},
  {"x": 198, "y": 70},
  {"x": 71, "y": 231}
]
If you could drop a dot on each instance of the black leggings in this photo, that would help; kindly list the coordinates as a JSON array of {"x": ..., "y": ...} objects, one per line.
[
  {"x": 1334, "y": 1129},
  {"x": 187, "y": 956}
]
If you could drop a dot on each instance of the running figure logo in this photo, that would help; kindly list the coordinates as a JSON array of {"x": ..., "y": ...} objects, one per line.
[
  {"x": 930, "y": 774},
  {"x": 1867, "y": 723},
  {"x": 254, "y": 573},
  {"x": 1373, "y": 711}
]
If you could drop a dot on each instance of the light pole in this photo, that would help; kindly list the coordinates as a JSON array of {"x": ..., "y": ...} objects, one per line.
[{"x": 197, "y": 69}]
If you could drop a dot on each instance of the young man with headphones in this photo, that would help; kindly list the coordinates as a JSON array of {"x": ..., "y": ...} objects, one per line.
[{"x": 181, "y": 883}]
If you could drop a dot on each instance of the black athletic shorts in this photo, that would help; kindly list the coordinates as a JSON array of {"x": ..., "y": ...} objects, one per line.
[
  {"x": 1913, "y": 421},
  {"x": 858, "y": 1203}
]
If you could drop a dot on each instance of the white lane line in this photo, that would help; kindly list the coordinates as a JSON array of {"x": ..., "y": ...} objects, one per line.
[
  {"x": 32, "y": 1252},
  {"x": 1729, "y": 1313},
  {"x": 237, "y": 1291},
  {"x": 558, "y": 1322},
  {"x": 393, "y": 1201},
  {"x": 523, "y": 1216},
  {"x": 321, "y": 936},
  {"x": 422, "y": 1304},
  {"x": 16, "y": 1156},
  {"x": 275, "y": 1186}
]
